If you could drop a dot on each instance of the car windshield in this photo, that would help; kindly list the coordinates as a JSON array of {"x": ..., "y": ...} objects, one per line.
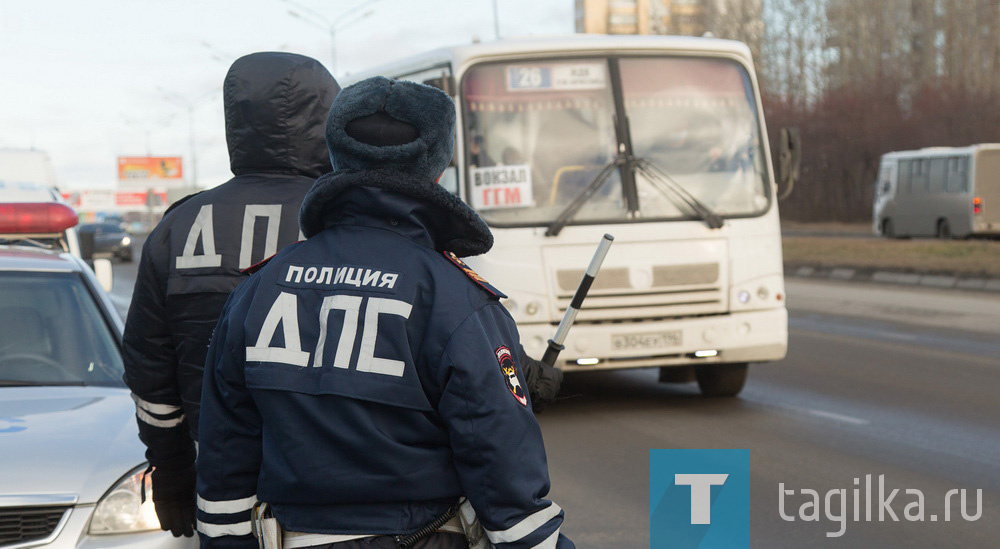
[
  {"x": 538, "y": 132},
  {"x": 53, "y": 333}
]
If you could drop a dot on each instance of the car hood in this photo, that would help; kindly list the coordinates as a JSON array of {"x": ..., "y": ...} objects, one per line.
[{"x": 66, "y": 440}]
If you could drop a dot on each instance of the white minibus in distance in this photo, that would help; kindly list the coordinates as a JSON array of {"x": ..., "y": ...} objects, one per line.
[
  {"x": 940, "y": 191},
  {"x": 659, "y": 141}
]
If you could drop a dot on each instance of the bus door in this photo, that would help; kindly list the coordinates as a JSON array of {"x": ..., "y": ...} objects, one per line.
[{"x": 885, "y": 193}]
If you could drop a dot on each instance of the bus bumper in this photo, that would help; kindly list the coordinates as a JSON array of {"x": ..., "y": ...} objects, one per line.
[{"x": 751, "y": 336}]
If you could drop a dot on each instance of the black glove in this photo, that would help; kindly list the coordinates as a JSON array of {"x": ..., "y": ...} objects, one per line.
[
  {"x": 543, "y": 382},
  {"x": 174, "y": 499}
]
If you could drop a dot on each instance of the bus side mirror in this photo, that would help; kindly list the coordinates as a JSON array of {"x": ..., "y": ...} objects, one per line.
[
  {"x": 104, "y": 273},
  {"x": 789, "y": 160},
  {"x": 445, "y": 83}
]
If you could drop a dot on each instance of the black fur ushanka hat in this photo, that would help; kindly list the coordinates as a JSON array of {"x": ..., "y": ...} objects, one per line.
[{"x": 397, "y": 136}]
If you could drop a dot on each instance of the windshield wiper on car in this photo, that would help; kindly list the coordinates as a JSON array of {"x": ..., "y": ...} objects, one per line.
[
  {"x": 570, "y": 210},
  {"x": 666, "y": 185},
  {"x": 21, "y": 383}
]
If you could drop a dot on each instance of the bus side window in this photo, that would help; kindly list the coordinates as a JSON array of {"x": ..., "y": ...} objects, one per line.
[
  {"x": 937, "y": 175},
  {"x": 904, "y": 179},
  {"x": 956, "y": 174},
  {"x": 918, "y": 176}
]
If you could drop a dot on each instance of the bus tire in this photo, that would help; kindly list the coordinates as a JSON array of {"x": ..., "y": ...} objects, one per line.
[
  {"x": 887, "y": 230},
  {"x": 721, "y": 380},
  {"x": 943, "y": 229}
]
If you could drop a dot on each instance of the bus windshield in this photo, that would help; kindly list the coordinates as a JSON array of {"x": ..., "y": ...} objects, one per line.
[{"x": 539, "y": 132}]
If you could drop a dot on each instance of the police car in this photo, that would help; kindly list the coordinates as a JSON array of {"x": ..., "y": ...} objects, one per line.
[
  {"x": 71, "y": 462},
  {"x": 33, "y": 193}
]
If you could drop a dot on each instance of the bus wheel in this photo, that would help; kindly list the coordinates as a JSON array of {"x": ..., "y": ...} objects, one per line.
[
  {"x": 721, "y": 380},
  {"x": 887, "y": 229},
  {"x": 943, "y": 229}
]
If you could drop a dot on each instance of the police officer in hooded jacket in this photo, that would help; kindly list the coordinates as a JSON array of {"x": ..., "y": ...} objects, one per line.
[
  {"x": 275, "y": 105},
  {"x": 364, "y": 380}
]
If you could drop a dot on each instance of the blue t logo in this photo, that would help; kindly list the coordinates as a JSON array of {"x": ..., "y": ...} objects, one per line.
[
  {"x": 701, "y": 494},
  {"x": 698, "y": 498}
]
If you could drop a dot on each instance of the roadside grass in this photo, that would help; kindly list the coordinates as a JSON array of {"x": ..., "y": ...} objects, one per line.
[
  {"x": 827, "y": 227},
  {"x": 957, "y": 257}
]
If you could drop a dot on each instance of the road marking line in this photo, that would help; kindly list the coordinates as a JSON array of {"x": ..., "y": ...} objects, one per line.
[
  {"x": 839, "y": 417},
  {"x": 895, "y": 335}
]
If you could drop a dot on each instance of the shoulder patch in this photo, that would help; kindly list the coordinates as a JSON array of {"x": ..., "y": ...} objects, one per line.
[
  {"x": 474, "y": 275},
  {"x": 509, "y": 371}
]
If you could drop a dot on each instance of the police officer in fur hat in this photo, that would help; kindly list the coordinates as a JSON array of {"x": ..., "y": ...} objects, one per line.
[{"x": 366, "y": 387}]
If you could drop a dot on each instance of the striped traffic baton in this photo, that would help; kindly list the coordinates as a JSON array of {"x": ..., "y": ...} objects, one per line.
[{"x": 556, "y": 343}]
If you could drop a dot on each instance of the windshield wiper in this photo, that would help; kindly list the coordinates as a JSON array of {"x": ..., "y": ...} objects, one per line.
[
  {"x": 566, "y": 215},
  {"x": 666, "y": 185},
  {"x": 18, "y": 383}
]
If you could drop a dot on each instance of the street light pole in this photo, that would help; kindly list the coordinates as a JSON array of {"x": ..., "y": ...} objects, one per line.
[
  {"x": 341, "y": 21},
  {"x": 189, "y": 104},
  {"x": 133, "y": 122},
  {"x": 194, "y": 149},
  {"x": 333, "y": 49},
  {"x": 219, "y": 55},
  {"x": 496, "y": 20}
]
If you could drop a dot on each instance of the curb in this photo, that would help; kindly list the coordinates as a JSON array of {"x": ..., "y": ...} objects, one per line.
[{"x": 927, "y": 280}]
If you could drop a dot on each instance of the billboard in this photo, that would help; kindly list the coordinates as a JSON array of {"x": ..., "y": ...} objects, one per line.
[
  {"x": 144, "y": 171},
  {"x": 117, "y": 201}
]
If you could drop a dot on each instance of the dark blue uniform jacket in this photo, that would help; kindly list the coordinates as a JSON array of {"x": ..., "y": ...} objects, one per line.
[
  {"x": 361, "y": 382},
  {"x": 274, "y": 105}
]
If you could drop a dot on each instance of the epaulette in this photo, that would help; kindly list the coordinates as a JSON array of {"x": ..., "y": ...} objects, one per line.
[
  {"x": 474, "y": 275},
  {"x": 258, "y": 266}
]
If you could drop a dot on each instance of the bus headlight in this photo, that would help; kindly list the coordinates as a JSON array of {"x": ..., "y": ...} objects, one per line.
[
  {"x": 532, "y": 308},
  {"x": 743, "y": 296},
  {"x": 121, "y": 509}
]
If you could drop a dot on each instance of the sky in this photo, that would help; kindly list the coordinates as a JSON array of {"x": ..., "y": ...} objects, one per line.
[{"x": 89, "y": 81}]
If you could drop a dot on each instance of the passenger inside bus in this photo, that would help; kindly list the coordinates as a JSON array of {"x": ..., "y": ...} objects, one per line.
[{"x": 690, "y": 119}]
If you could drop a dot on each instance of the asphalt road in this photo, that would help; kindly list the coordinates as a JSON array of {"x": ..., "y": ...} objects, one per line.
[
  {"x": 878, "y": 380},
  {"x": 897, "y": 392}
]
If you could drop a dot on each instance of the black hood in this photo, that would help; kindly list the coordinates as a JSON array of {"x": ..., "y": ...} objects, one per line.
[{"x": 276, "y": 107}]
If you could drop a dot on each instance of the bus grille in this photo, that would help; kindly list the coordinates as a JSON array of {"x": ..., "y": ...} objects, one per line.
[
  {"x": 666, "y": 291},
  {"x": 617, "y": 278},
  {"x": 23, "y": 524}
]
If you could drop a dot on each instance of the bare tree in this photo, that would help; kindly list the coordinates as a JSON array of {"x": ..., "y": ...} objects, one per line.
[
  {"x": 793, "y": 55},
  {"x": 741, "y": 20}
]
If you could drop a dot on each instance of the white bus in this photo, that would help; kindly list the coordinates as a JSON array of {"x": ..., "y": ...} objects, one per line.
[
  {"x": 941, "y": 191},
  {"x": 659, "y": 141}
]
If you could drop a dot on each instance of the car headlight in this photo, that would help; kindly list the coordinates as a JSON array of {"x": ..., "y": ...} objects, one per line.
[
  {"x": 126, "y": 241},
  {"x": 121, "y": 510}
]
